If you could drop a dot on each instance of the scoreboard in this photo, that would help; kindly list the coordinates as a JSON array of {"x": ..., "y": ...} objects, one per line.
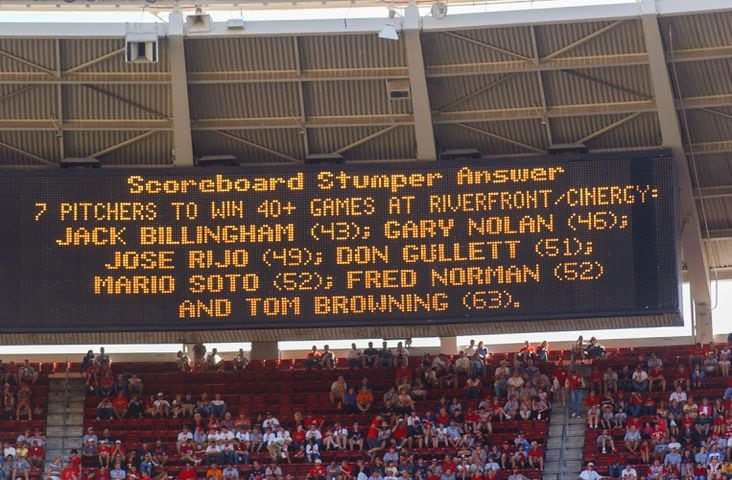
[{"x": 338, "y": 245}]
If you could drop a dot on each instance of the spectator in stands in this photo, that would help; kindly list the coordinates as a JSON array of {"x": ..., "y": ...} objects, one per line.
[
  {"x": 632, "y": 439},
  {"x": 711, "y": 364},
  {"x": 327, "y": 358},
  {"x": 525, "y": 352},
  {"x": 386, "y": 356},
  {"x": 370, "y": 356},
  {"x": 462, "y": 365},
  {"x": 87, "y": 360},
  {"x": 698, "y": 377},
  {"x": 36, "y": 454},
  {"x": 89, "y": 435},
  {"x": 161, "y": 407},
  {"x": 183, "y": 361},
  {"x": 103, "y": 358},
  {"x": 364, "y": 399},
  {"x": 218, "y": 406},
  {"x": 656, "y": 377},
  {"x": 577, "y": 352},
  {"x": 594, "y": 349},
  {"x": 355, "y": 357},
  {"x": 640, "y": 379},
  {"x": 337, "y": 391},
  {"x": 23, "y": 406},
  {"x": 589, "y": 473},
  {"x": 629, "y": 473},
  {"x": 725, "y": 355},
  {"x": 135, "y": 385},
  {"x": 26, "y": 373},
  {"x": 214, "y": 361},
  {"x": 575, "y": 385},
  {"x": 313, "y": 359},
  {"x": 135, "y": 408},
  {"x": 240, "y": 361},
  {"x": 542, "y": 352},
  {"x": 106, "y": 383},
  {"x": 317, "y": 471},
  {"x": 605, "y": 442}
]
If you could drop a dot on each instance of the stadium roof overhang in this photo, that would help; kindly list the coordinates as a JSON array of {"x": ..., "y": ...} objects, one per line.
[{"x": 509, "y": 80}]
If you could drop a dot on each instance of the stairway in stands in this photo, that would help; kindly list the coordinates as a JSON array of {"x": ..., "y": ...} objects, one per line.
[
  {"x": 65, "y": 419},
  {"x": 568, "y": 434}
]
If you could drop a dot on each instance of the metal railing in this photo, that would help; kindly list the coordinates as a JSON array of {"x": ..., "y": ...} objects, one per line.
[{"x": 563, "y": 449}]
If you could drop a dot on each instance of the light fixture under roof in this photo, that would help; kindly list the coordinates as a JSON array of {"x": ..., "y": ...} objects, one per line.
[
  {"x": 389, "y": 31},
  {"x": 199, "y": 22}
]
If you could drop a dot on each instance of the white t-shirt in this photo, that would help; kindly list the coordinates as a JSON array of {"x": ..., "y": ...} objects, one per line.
[
  {"x": 590, "y": 475},
  {"x": 631, "y": 472}
]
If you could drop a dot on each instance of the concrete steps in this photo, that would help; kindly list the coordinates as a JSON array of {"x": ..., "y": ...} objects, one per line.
[
  {"x": 571, "y": 440},
  {"x": 65, "y": 418}
]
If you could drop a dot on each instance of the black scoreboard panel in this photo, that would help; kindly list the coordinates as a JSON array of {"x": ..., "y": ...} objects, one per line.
[{"x": 335, "y": 245}]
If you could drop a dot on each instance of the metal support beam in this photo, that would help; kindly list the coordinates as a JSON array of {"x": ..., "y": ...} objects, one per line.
[
  {"x": 691, "y": 240},
  {"x": 583, "y": 40},
  {"x": 366, "y": 139},
  {"x": 28, "y": 63},
  {"x": 60, "y": 104},
  {"x": 542, "y": 90},
  {"x": 182, "y": 138},
  {"x": 26, "y": 153},
  {"x": 94, "y": 61},
  {"x": 257, "y": 146},
  {"x": 488, "y": 46},
  {"x": 607, "y": 128},
  {"x": 123, "y": 143},
  {"x": 502, "y": 138},
  {"x": 475, "y": 93},
  {"x": 301, "y": 97},
  {"x": 423, "y": 129},
  {"x": 124, "y": 100}
]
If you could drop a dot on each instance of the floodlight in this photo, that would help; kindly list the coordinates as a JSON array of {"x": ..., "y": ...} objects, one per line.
[
  {"x": 198, "y": 22},
  {"x": 389, "y": 31}
]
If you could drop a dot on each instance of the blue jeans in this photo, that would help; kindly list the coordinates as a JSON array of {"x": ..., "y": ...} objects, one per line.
[
  {"x": 576, "y": 397},
  {"x": 218, "y": 410},
  {"x": 728, "y": 393}
]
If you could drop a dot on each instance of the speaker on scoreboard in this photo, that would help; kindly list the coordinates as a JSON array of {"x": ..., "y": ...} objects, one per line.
[
  {"x": 316, "y": 158},
  {"x": 460, "y": 154},
  {"x": 141, "y": 48}
]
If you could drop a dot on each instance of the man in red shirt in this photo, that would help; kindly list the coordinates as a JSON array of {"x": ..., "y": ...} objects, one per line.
[
  {"x": 656, "y": 377},
  {"x": 188, "y": 473},
  {"x": 69, "y": 472},
  {"x": 559, "y": 384},
  {"x": 313, "y": 359},
  {"x": 536, "y": 455},
  {"x": 36, "y": 453},
  {"x": 576, "y": 385},
  {"x": 317, "y": 471}
]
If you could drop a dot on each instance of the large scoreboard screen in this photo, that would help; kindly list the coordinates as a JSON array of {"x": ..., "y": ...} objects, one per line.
[{"x": 337, "y": 245}]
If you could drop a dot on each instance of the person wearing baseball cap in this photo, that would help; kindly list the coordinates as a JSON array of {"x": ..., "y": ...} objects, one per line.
[{"x": 589, "y": 473}]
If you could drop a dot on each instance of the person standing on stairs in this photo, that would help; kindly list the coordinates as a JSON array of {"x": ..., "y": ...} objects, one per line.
[{"x": 575, "y": 385}]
